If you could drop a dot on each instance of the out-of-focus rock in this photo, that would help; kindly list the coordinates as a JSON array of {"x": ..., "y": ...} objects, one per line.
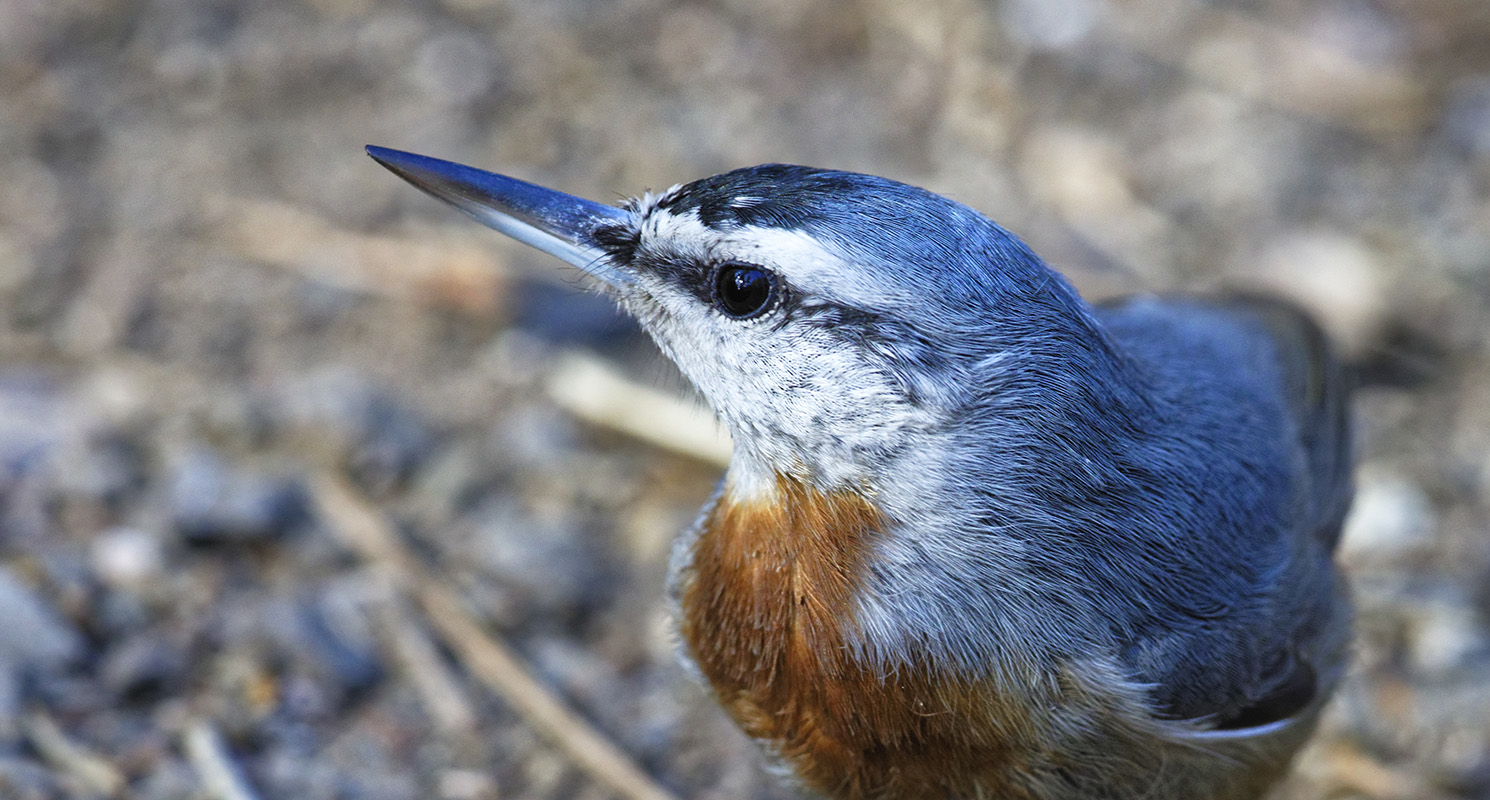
[
  {"x": 1466, "y": 118},
  {"x": 395, "y": 442},
  {"x": 1050, "y": 24},
  {"x": 1447, "y": 637},
  {"x": 343, "y": 414},
  {"x": 520, "y": 550},
  {"x": 213, "y": 503},
  {"x": 346, "y": 641},
  {"x": 1390, "y": 519},
  {"x": 34, "y": 636},
  {"x": 24, "y": 779},
  {"x": 35, "y": 641},
  {"x": 126, "y": 557},
  {"x": 330, "y": 637},
  {"x": 168, "y": 779},
  {"x": 1085, "y": 179},
  {"x": 102, "y": 468},
  {"x": 32, "y": 416},
  {"x": 149, "y": 664},
  {"x": 467, "y": 784}
]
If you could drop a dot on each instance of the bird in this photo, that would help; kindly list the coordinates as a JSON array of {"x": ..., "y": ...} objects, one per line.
[{"x": 978, "y": 537}]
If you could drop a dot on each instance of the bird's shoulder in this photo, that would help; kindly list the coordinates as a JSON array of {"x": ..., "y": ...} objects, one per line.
[{"x": 1271, "y": 347}]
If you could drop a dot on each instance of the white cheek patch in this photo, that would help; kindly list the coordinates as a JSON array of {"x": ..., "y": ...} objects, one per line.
[{"x": 798, "y": 399}]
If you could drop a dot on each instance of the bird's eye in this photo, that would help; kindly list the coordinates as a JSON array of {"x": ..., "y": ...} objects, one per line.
[{"x": 743, "y": 291}]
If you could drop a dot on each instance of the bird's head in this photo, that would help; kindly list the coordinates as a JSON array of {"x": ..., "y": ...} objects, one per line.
[{"x": 831, "y": 319}]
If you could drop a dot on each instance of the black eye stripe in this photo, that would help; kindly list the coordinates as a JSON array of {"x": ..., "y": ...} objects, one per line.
[{"x": 744, "y": 291}]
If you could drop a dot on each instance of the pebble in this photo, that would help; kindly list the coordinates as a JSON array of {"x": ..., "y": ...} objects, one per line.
[
  {"x": 1447, "y": 637},
  {"x": 329, "y": 636},
  {"x": 337, "y": 621},
  {"x": 1390, "y": 519},
  {"x": 24, "y": 779},
  {"x": 103, "y": 468},
  {"x": 381, "y": 439},
  {"x": 1050, "y": 24},
  {"x": 561, "y": 315},
  {"x": 393, "y": 444},
  {"x": 525, "y": 553},
  {"x": 126, "y": 557},
  {"x": 1467, "y": 115},
  {"x": 34, "y": 636},
  {"x": 145, "y": 666},
  {"x": 32, "y": 416},
  {"x": 214, "y": 503}
]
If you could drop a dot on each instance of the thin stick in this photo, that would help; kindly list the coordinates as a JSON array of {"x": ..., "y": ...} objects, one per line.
[
  {"x": 95, "y": 773},
  {"x": 366, "y": 531},
  {"x": 442, "y": 693},
  {"x": 220, "y": 776},
  {"x": 595, "y": 392}
]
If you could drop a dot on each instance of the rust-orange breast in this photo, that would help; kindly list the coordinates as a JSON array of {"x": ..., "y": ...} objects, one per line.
[{"x": 767, "y": 614}]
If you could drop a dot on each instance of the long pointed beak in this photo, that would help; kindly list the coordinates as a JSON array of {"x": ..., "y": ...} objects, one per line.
[{"x": 559, "y": 224}]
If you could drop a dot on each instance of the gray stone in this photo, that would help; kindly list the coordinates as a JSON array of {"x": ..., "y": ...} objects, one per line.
[
  {"x": 211, "y": 502},
  {"x": 34, "y": 636}
]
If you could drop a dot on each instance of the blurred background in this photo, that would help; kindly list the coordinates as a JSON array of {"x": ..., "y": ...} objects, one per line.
[{"x": 225, "y": 333}]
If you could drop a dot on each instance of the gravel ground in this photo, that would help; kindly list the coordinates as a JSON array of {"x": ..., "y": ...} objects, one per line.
[{"x": 213, "y": 306}]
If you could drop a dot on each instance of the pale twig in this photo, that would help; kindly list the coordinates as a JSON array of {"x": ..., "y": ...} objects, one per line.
[
  {"x": 449, "y": 707},
  {"x": 596, "y": 393},
  {"x": 221, "y": 778},
  {"x": 95, "y": 773},
  {"x": 365, "y": 530}
]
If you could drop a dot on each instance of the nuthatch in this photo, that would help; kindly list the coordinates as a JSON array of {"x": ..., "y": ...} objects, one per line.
[{"x": 978, "y": 537}]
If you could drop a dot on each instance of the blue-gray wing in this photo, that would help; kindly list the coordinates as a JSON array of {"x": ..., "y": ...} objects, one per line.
[
  {"x": 1317, "y": 388},
  {"x": 1292, "y": 668}
]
